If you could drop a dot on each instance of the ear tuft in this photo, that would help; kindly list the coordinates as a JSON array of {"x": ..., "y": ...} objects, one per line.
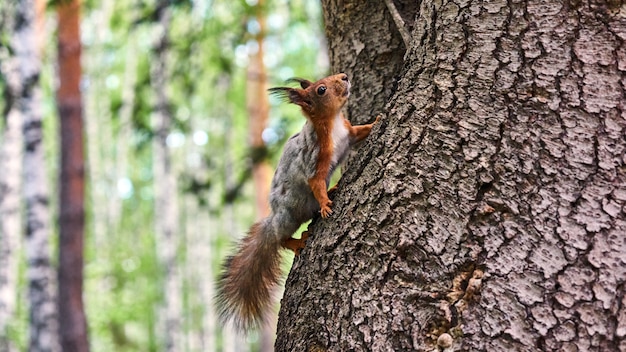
[
  {"x": 290, "y": 95},
  {"x": 282, "y": 93},
  {"x": 303, "y": 82}
]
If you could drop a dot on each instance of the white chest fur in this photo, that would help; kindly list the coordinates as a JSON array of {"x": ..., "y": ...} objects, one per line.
[{"x": 341, "y": 139}]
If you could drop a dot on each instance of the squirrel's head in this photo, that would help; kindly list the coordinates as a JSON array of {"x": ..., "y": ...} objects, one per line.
[{"x": 318, "y": 100}]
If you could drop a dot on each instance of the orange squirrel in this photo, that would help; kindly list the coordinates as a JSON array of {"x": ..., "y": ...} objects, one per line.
[{"x": 298, "y": 191}]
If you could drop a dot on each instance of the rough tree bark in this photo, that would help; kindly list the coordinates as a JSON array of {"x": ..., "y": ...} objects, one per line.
[
  {"x": 72, "y": 320},
  {"x": 487, "y": 211},
  {"x": 166, "y": 203}
]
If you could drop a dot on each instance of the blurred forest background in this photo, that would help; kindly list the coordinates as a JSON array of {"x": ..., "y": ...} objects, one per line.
[{"x": 180, "y": 139}]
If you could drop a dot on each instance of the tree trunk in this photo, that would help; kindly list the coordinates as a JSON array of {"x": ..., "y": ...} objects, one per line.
[
  {"x": 10, "y": 178},
  {"x": 486, "y": 212},
  {"x": 365, "y": 44},
  {"x": 24, "y": 128},
  {"x": 166, "y": 207},
  {"x": 201, "y": 239},
  {"x": 101, "y": 161},
  {"x": 73, "y": 324},
  {"x": 125, "y": 132},
  {"x": 258, "y": 106},
  {"x": 10, "y": 226},
  {"x": 233, "y": 340}
]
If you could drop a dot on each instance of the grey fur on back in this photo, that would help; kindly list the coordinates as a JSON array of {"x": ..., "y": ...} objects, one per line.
[{"x": 291, "y": 199}]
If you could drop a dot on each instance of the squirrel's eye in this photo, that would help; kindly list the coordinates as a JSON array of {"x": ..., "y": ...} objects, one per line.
[{"x": 321, "y": 90}]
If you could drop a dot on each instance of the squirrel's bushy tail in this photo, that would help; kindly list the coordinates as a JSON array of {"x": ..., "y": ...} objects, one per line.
[{"x": 244, "y": 290}]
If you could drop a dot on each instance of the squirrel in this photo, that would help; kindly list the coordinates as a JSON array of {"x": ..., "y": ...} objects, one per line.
[{"x": 299, "y": 190}]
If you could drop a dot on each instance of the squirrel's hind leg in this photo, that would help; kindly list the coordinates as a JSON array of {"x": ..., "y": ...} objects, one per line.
[{"x": 295, "y": 244}]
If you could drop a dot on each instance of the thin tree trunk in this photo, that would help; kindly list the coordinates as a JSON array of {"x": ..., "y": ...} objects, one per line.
[
  {"x": 98, "y": 122},
  {"x": 486, "y": 212},
  {"x": 196, "y": 228},
  {"x": 233, "y": 341},
  {"x": 10, "y": 178},
  {"x": 166, "y": 207},
  {"x": 10, "y": 226},
  {"x": 73, "y": 324},
  {"x": 206, "y": 250},
  {"x": 257, "y": 104},
  {"x": 125, "y": 128},
  {"x": 200, "y": 247},
  {"x": 25, "y": 116},
  {"x": 42, "y": 282}
]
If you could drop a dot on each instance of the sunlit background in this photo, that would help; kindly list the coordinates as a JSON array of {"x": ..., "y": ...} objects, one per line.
[{"x": 211, "y": 43}]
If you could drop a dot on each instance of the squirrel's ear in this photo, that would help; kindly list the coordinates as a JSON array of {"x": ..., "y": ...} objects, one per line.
[
  {"x": 303, "y": 82},
  {"x": 291, "y": 95}
]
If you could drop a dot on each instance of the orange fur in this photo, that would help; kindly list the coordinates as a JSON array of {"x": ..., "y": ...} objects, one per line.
[
  {"x": 318, "y": 182},
  {"x": 321, "y": 110},
  {"x": 295, "y": 244},
  {"x": 358, "y": 133},
  {"x": 244, "y": 290}
]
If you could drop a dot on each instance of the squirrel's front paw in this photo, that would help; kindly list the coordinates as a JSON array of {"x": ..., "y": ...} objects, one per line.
[{"x": 325, "y": 209}]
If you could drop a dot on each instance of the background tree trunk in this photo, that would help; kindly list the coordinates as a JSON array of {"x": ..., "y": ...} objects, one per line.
[
  {"x": 10, "y": 213},
  {"x": 233, "y": 340},
  {"x": 102, "y": 158},
  {"x": 73, "y": 324},
  {"x": 486, "y": 212},
  {"x": 11, "y": 166},
  {"x": 25, "y": 119},
  {"x": 166, "y": 203},
  {"x": 258, "y": 107}
]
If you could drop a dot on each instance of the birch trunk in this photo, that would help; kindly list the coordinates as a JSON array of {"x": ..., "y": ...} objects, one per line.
[
  {"x": 233, "y": 340},
  {"x": 200, "y": 245},
  {"x": 198, "y": 273},
  {"x": 206, "y": 250},
  {"x": 125, "y": 132},
  {"x": 10, "y": 179},
  {"x": 486, "y": 212},
  {"x": 42, "y": 283},
  {"x": 24, "y": 123},
  {"x": 10, "y": 227},
  {"x": 98, "y": 122},
  {"x": 166, "y": 207},
  {"x": 73, "y": 323}
]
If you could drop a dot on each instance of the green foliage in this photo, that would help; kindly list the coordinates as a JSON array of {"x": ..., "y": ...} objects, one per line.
[{"x": 208, "y": 54}]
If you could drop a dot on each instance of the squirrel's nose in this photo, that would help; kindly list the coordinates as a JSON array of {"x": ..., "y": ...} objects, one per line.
[{"x": 344, "y": 77}]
